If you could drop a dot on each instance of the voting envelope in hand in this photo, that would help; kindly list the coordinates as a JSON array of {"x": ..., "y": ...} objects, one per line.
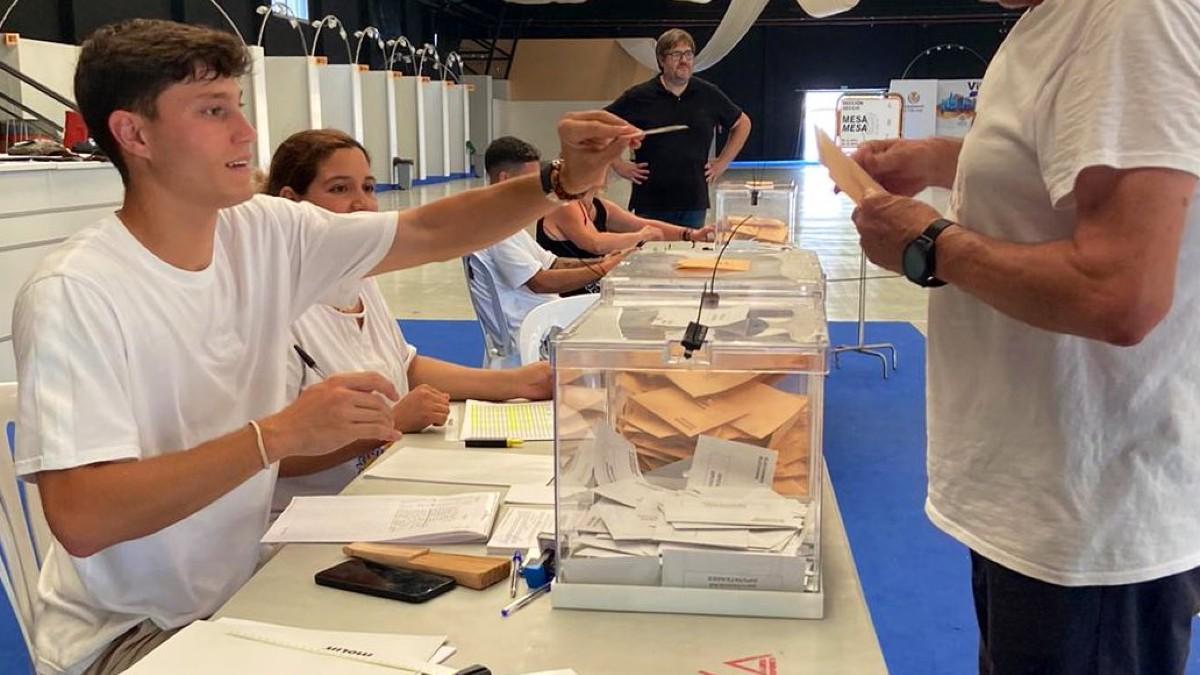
[{"x": 845, "y": 172}]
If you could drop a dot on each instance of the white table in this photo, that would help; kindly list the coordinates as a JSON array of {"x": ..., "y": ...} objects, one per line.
[{"x": 593, "y": 643}]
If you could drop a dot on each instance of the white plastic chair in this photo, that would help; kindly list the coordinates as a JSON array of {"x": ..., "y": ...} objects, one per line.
[
  {"x": 544, "y": 318},
  {"x": 20, "y": 518},
  {"x": 499, "y": 347}
]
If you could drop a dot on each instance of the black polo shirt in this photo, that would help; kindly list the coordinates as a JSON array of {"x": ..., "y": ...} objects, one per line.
[{"x": 677, "y": 160}]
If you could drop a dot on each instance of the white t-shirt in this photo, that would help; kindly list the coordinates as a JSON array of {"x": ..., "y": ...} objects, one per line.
[
  {"x": 335, "y": 341},
  {"x": 122, "y": 356},
  {"x": 1066, "y": 459},
  {"x": 513, "y": 262}
]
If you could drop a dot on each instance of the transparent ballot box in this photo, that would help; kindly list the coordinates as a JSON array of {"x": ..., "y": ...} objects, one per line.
[
  {"x": 688, "y": 480},
  {"x": 760, "y": 211},
  {"x": 684, "y": 268}
]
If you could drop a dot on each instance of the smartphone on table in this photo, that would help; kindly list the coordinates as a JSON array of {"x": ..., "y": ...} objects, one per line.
[{"x": 370, "y": 578}]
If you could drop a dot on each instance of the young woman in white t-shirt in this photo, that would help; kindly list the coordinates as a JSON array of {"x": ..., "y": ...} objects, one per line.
[{"x": 332, "y": 170}]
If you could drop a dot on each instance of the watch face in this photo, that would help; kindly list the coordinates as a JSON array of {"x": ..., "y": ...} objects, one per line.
[{"x": 916, "y": 261}]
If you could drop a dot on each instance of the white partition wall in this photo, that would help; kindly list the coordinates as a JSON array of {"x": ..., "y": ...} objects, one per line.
[
  {"x": 456, "y": 130},
  {"x": 293, "y": 96},
  {"x": 50, "y": 63},
  {"x": 341, "y": 98},
  {"x": 56, "y": 200},
  {"x": 410, "y": 122},
  {"x": 479, "y": 107},
  {"x": 436, "y": 132},
  {"x": 536, "y": 122},
  {"x": 254, "y": 93},
  {"x": 379, "y": 122}
]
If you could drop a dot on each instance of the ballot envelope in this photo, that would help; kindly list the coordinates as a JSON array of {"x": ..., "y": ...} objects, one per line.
[{"x": 688, "y": 474}]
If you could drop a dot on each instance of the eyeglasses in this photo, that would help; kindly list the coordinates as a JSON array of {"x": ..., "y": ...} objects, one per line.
[{"x": 679, "y": 54}]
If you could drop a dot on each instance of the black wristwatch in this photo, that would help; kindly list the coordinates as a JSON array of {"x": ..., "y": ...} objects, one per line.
[{"x": 920, "y": 256}]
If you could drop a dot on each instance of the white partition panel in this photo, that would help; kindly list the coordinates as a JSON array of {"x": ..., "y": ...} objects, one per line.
[
  {"x": 293, "y": 96},
  {"x": 51, "y": 63},
  {"x": 436, "y": 136},
  {"x": 410, "y": 122},
  {"x": 456, "y": 130},
  {"x": 479, "y": 111},
  {"x": 56, "y": 201},
  {"x": 536, "y": 122},
  {"x": 379, "y": 125},
  {"x": 254, "y": 93},
  {"x": 341, "y": 98}
]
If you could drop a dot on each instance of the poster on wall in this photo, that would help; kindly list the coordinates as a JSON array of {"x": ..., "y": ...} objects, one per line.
[
  {"x": 956, "y": 101},
  {"x": 868, "y": 118},
  {"x": 920, "y": 106}
]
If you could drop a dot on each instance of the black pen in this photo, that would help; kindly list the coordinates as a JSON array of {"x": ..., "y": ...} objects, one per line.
[{"x": 308, "y": 361}]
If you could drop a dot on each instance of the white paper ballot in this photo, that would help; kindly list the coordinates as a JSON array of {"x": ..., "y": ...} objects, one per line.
[
  {"x": 719, "y": 463},
  {"x": 732, "y": 571},
  {"x": 530, "y": 421},
  {"x": 631, "y": 492},
  {"x": 464, "y": 467},
  {"x": 735, "y": 539},
  {"x": 680, "y": 317},
  {"x": 408, "y": 519},
  {"x": 626, "y": 547},
  {"x": 235, "y": 646},
  {"x": 518, "y": 529},
  {"x": 638, "y": 524},
  {"x": 693, "y": 509},
  {"x": 615, "y": 457}
]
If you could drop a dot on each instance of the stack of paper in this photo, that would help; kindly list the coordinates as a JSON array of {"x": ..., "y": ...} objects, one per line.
[
  {"x": 532, "y": 421},
  {"x": 519, "y": 528},
  {"x": 408, "y": 519},
  {"x": 237, "y": 646},
  {"x": 727, "y": 503},
  {"x": 464, "y": 467},
  {"x": 663, "y": 414}
]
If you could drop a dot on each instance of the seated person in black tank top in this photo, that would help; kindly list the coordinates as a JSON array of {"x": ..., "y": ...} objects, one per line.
[{"x": 593, "y": 227}]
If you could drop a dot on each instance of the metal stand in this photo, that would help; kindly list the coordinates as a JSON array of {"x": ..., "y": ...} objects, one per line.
[{"x": 875, "y": 350}]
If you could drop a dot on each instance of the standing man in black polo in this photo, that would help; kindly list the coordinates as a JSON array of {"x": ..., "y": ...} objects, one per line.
[{"x": 671, "y": 172}]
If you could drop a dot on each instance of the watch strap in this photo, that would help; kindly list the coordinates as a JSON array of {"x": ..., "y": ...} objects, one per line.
[{"x": 930, "y": 235}]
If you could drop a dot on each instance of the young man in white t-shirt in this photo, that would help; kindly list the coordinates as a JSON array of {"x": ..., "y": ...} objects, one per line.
[
  {"x": 1064, "y": 408},
  {"x": 151, "y": 346},
  {"x": 526, "y": 274}
]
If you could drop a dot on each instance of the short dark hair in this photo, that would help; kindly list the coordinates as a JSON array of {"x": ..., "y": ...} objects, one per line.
[
  {"x": 126, "y": 65},
  {"x": 505, "y": 153},
  {"x": 298, "y": 158},
  {"x": 671, "y": 38}
]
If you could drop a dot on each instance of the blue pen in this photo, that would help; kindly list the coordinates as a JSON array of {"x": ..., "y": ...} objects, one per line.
[{"x": 516, "y": 572}]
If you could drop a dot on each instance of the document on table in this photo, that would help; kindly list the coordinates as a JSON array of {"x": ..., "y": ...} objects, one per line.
[
  {"x": 530, "y": 494},
  {"x": 237, "y": 646},
  {"x": 529, "y": 421},
  {"x": 518, "y": 529},
  {"x": 409, "y": 519},
  {"x": 467, "y": 467}
]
